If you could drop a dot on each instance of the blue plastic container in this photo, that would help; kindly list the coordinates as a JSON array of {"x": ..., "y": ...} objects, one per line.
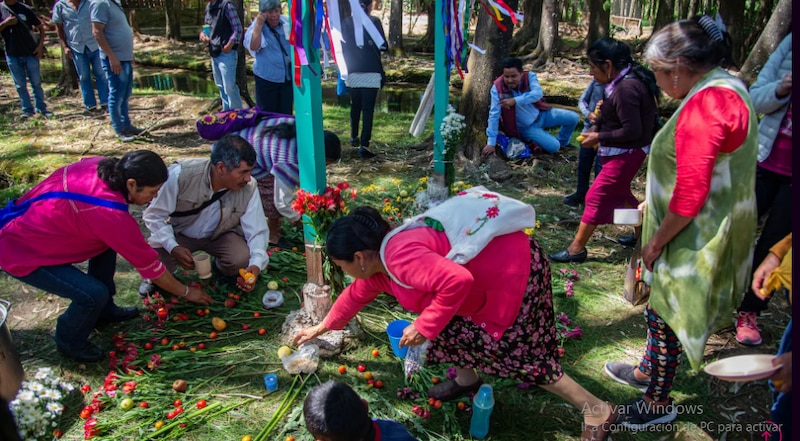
[
  {"x": 482, "y": 406},
  {"x": 271, "y": 382}
]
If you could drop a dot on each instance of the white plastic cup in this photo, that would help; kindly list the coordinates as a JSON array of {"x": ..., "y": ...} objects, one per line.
[
  {"x": 627, "y": 216},
  {"x": 202, "y": 264}
]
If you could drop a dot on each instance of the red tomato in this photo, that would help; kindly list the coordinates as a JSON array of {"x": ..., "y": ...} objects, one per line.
[
  {"x": 86, "y": 388},
  {"x": 461, "y": 405},
  {"x": 213, "y": 335},
  {"x": 85, "y": 414},
  {"x": 437, "y": 404},
  {"x": 262, "y": 331},
  {"x": 376, "y": 352},
  {"x": 431, "y": 401},
  {"x": 144, "y": 405},
  {"x": 379, "y": 384},
  {"x": 162, "y": 313},
  {"x": 201, "y": 346},
  {"x": 256, "y": 314},
  {"x": 435, "y": 380},
  {"x": 177, "y": 403},
  {"x": 342, "y": 369},
  {"x": 171, "y": 414},
  {"x": 165, "y": 341},
  {"x": 183, "y": 425},
  {"x": 245, "y": 327},
  {"x": 112, "y": 354},
  {"x": 284, "y": 280},
  {"x": 148, "y": 346},
  {"x": 201, "y": 404},
  {"x": 362, "y": 367}
]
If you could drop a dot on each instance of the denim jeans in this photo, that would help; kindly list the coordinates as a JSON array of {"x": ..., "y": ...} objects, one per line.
[
  {"x": 224, "y": 68},
  {"x": 120, "y": 88},
  {"x": 23, "y": 69},
  {"x": 555, "y": 117},
  {"x": 91, "y": 294},
  {"x": 86, "y": 64}
]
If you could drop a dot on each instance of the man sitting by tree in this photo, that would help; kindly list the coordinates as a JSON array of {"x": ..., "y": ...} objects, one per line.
[
  {"x": 211, "y": 205},
  {"x": 518, "y": 109}
]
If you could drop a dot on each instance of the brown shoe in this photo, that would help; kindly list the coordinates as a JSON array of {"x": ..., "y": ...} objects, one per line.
[
  {"x": 450, "y": 390},
  {"x": 600, "y": 433}
]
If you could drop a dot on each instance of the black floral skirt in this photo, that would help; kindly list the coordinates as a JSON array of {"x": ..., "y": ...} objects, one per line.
[{"x": 527, "y": 352}]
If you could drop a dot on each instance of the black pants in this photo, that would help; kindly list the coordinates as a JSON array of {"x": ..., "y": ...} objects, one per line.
[
  {"x": 774, "y": 198},
  {"x": 362, "y": 101},
  {"x": 587, "y": 159},
  {"x": 274, "y": 97}
]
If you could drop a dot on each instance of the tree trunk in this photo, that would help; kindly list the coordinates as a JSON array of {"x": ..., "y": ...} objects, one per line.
[
  {"x": 133, "y": 22},
  {"x": 732, "y": 12},
  {"x": 426, "y": 43},
  {"x": 692, "y": 10},
  {"x": 525, "y": 39},
  {"x": 548, "y": 34},
  {"x": 68, "y": 81},
  {"x": 172, "y": 12},
  {"x": 599, "y": 21},
  {"x": 396, "y": 28},
  {"x": 483, "y": 69},
  {"x": 665, "y": 14},
  {"x": 778, "y": 26},
  {"x": 241, "y": 67}
]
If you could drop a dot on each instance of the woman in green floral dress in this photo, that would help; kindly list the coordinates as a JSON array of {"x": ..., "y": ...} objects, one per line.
[{"x": 699, "y": 215}]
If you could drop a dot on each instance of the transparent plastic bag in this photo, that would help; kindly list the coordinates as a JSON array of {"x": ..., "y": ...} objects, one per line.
[
  {"x": 415, "y": 358},
  {"x": 304, "y": 360}
]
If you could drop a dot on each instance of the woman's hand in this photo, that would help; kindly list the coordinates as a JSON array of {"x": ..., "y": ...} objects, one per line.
[
  {"x": 197, "y": 295},
  {"x": 590, "y": 140},
  {"x": 411, "y": 337},
  {"x": 760, "y": 275},
  {"x": 782, "y": 378},
  {"x": 309, "y": 333},
  {"x": 649, "y": 254}
]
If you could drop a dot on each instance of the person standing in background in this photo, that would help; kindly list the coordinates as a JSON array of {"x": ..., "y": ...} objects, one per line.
[
  {"x": 224, "y": 32},
  {"x": 772, "y": 97},
  {"x": 589, "y": 105},
  {"x": 74, "y": 26},
  {"x": 23, "y": 35},
  {"x": 365, "y": 76},
  {"x": 115, "y": 38},
  {"x": 266, "y": 41}
]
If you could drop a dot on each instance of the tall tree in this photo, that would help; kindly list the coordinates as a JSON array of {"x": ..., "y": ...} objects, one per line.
[
  {"x": 525, "y": 39},
  {"x": 172, "y": 11},
  {"x": 779, "y": 24},
  {"x": 396, "y": 28},
  {"x": 68, "y": 81},
  {"x": 548, "y": 35},
  {"x": 426, "y": 42},
  {"x": 665, "y": 14},
  {"x": 599, "y": 21},
  {"x": 732, "y": 13},
  {"x": 483, "y": 69}
]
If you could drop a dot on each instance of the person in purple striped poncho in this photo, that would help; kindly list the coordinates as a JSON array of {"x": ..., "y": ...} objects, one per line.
[{"x": 276, "y": 170}]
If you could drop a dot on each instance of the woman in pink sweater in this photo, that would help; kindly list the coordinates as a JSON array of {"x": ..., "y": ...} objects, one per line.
[
  {"x": 80, "y": 213},
  {"x": 480, "y": 316}
]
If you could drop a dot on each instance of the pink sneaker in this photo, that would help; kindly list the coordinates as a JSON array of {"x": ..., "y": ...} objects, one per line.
[{"x": 747, "y": 329}]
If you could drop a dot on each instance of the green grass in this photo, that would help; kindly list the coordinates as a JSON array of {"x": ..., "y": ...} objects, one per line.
[{"x": 230, "y": 371}]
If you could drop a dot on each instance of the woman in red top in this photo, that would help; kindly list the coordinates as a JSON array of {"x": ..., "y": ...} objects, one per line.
[
  {"x": 40, "y": 246},
  {"x": 497, "y": 319}
]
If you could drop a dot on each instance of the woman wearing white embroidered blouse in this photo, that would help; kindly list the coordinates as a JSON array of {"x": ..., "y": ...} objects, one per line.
[
  {"x": 477, "y": 316},
  {"x": 266, "y": 41}
]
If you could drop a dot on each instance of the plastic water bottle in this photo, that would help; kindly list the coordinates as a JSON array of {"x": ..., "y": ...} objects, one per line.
[{"x": 482, "y": 406}]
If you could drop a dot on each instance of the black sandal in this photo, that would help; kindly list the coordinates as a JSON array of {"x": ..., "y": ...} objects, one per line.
[{"x": 450, "y": 390}]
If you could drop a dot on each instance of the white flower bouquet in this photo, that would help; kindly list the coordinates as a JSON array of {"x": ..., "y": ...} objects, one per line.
[
  {"x": 37, "y": 407},
  {"x": 452, "y": 129}
]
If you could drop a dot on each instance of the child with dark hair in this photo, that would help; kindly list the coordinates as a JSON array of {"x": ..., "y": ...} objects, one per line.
[{"x": 334, "y": 412}]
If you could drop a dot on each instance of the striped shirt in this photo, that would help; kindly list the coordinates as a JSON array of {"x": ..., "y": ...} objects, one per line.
[{"x": 274, "y": 155}]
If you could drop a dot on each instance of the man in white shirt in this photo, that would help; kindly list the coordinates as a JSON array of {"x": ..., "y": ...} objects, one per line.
[{"x": 212, "y": 205}]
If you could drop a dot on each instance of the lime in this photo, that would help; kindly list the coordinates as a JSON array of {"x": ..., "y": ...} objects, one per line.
[
  {"x": 126, "y": 404},
  {"x": 284, "y": 351},
  {"x": 272, "y": 285}
]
